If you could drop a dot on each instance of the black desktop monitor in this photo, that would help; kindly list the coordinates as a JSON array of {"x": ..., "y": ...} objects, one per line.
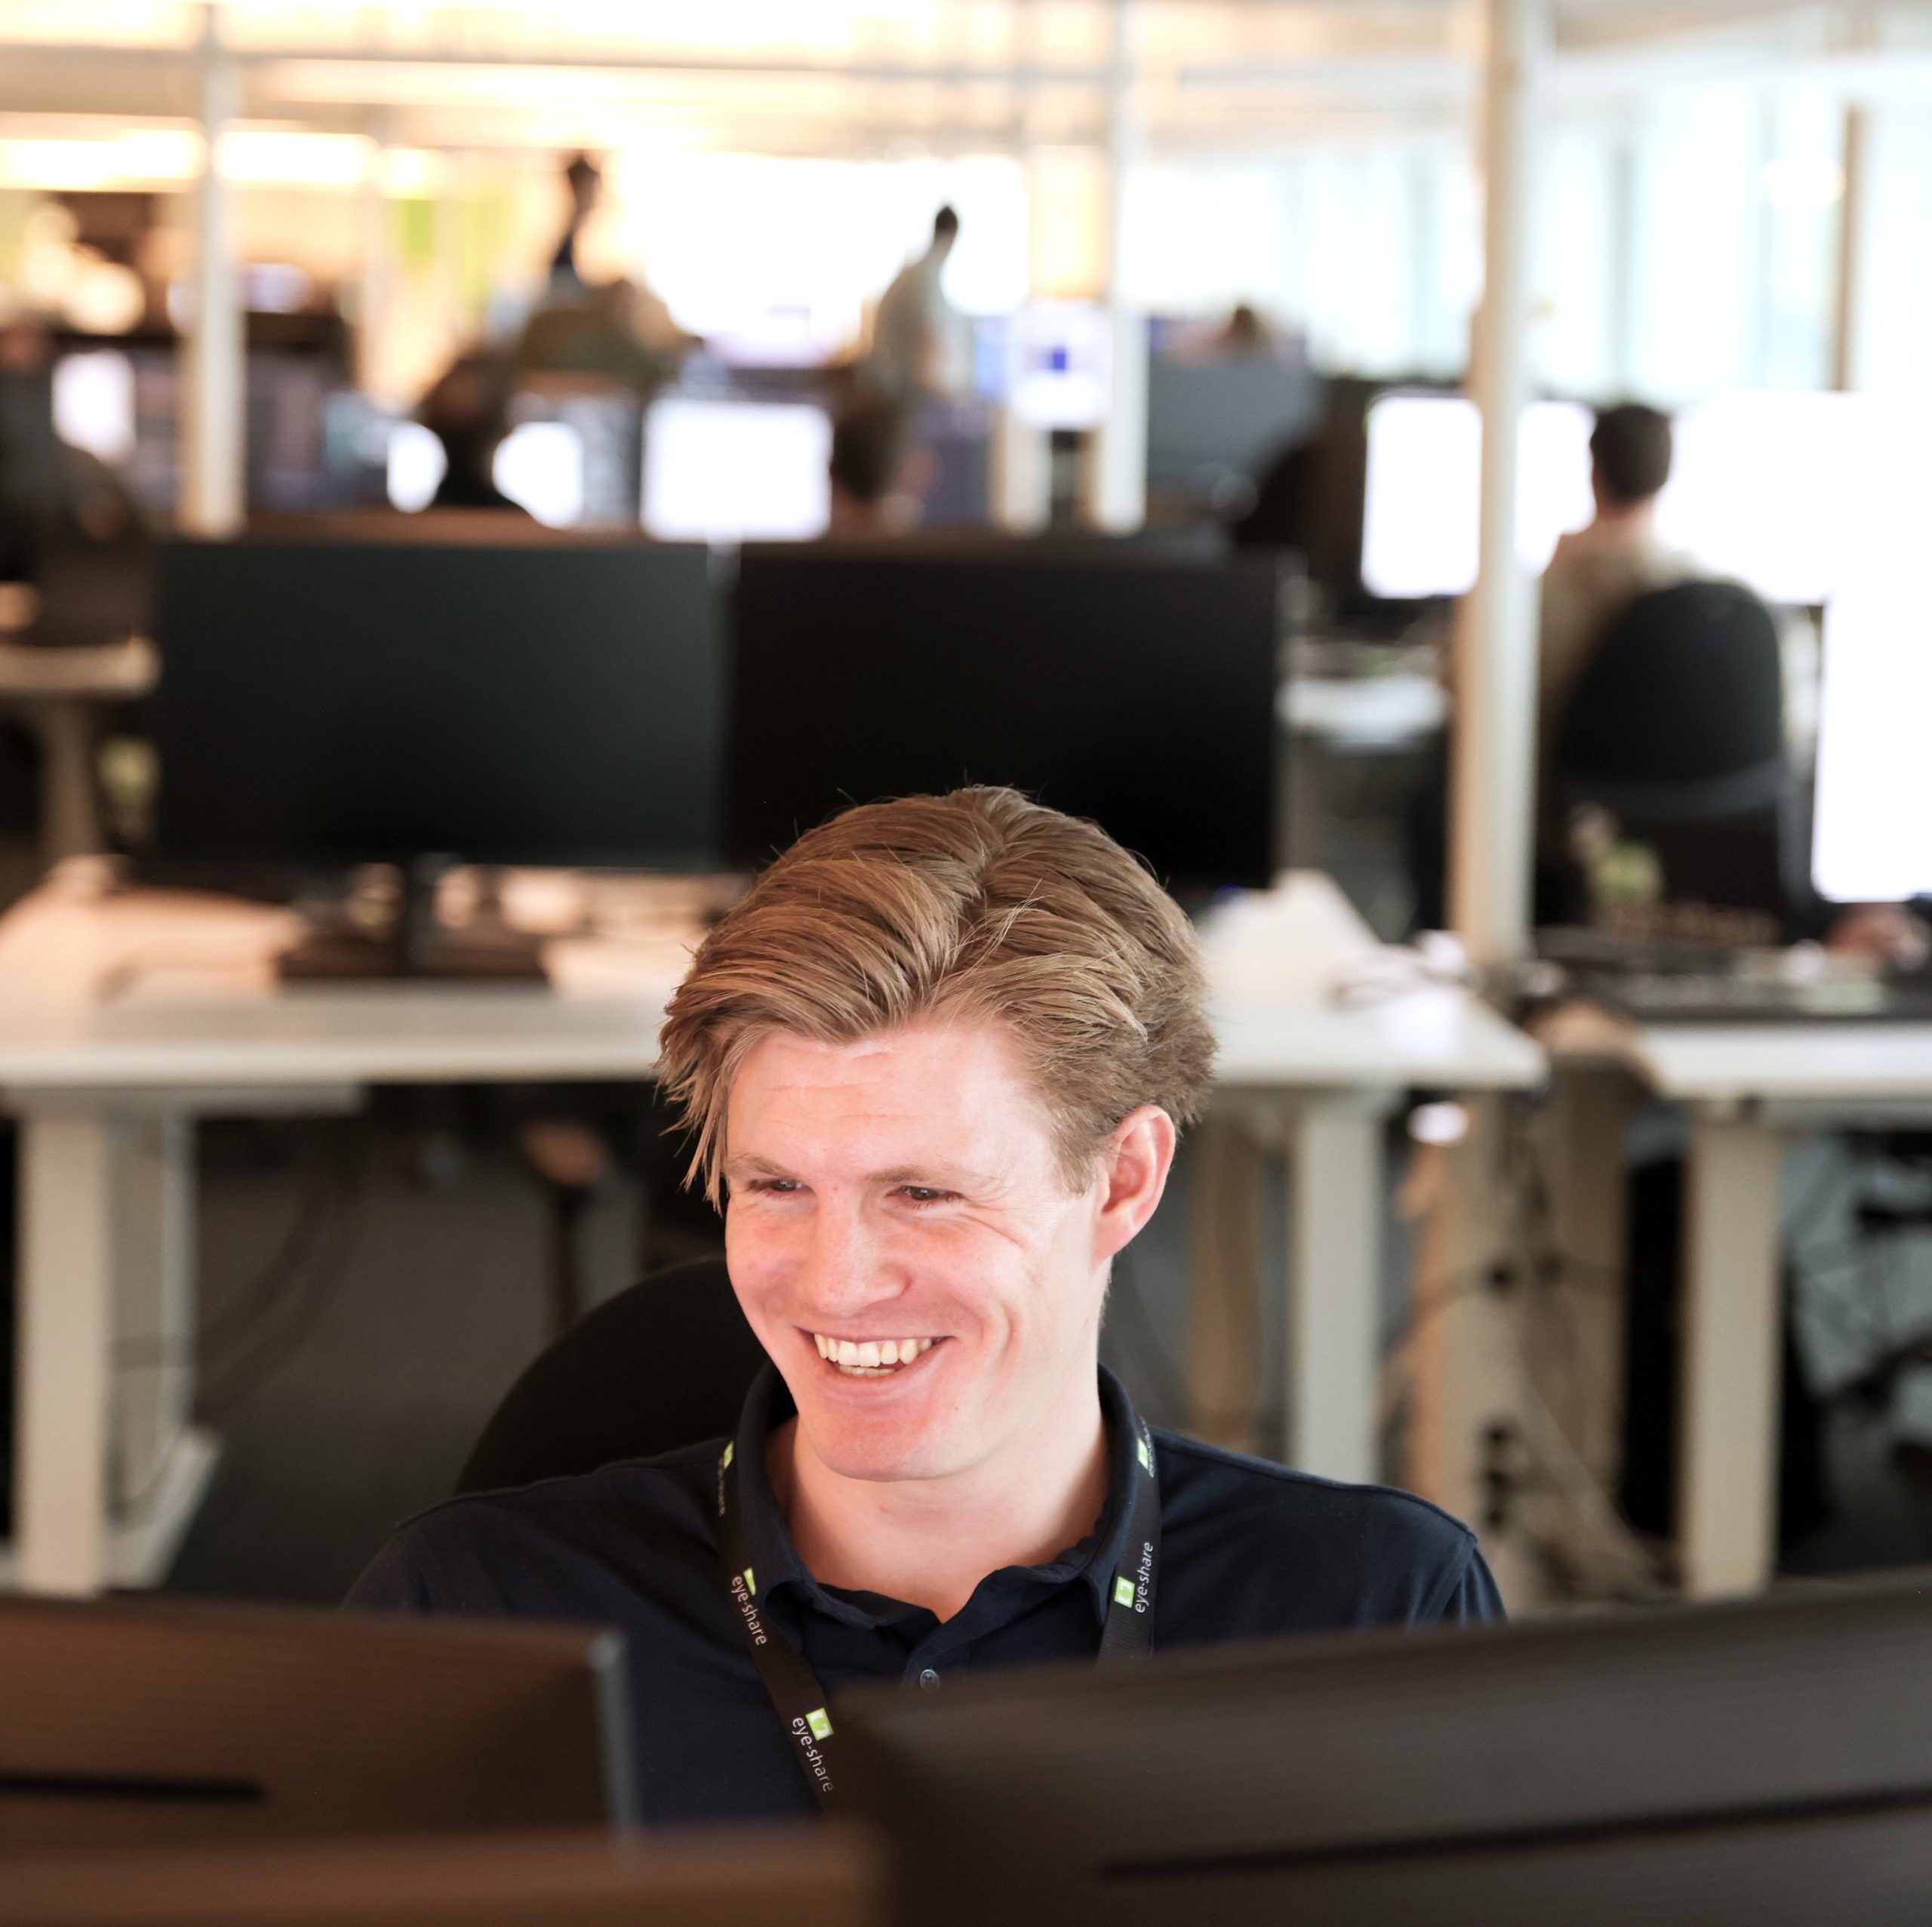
[
  {"x": 324, "y": 704},
  {"x": 1135, "y": 690},
  {"x": 1767, "y": 1762},
  {"x": 798, "y": 1873},
  {"x": 1215, "y": 422},
  {"x": 158, "y": 1722}
]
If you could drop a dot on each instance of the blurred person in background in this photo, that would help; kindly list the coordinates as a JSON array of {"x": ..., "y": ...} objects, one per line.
[
  {"x": 910, "y": 356},
  {"x": 468, "y": 411},
  {"x": 1598, "y": 571},
  {"x": 873, "y": 470},
  {"x": 585, "y": 181},
  {"x": 616, "y": 331},
  {"x": 1245, "y": 333}
]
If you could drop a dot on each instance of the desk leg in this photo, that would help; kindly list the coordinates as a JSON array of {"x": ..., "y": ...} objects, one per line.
[
  {"x": 1223, "y": 1361},
  {"x": 1335, "y": 1285},
  {"x": 154, "y": 1304},
  {"x": 1585, "y": 1121},
  {"x": 70, "y": 821},
  {"x": 1728, "y": 1407},
  {"x": 65, "y": 1287}
]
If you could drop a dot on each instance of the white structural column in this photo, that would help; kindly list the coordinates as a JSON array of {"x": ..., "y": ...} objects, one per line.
[
  {"x": 213, "y": 415},
  {"x": 1854, "y": 219},
  {"x": 1334, "y": 1285},
  {"x": 64, "y": 1323},
  {"x": 1728, "y": 1395},
  {"x": 375, "y": 285},
  {"x": 1492, "y": 770},
  {"x": 1120, "y": 476}
]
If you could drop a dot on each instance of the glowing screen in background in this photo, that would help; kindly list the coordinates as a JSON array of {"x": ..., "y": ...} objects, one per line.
[
  {"x": 414, "y": 466},
  {"x": 539, "y": 466},
  {"x": 1766, "y": 486},
  {"x": 1871, "y": 833},
  {"x": 727, "y": 471},
  {"x": 1420, "y": 513},
  {"x": 94, "y": 403}
]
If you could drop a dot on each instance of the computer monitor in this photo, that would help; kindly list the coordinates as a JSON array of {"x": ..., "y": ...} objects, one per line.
[
  {"x": 1721, "y": 1764},
  {"x": 324, "y": 704},
  {"x": 163, "y": 1723},
  {"x": 1765, "y": 487},
  {"x": 1870, "y": 841},
  {"x": 724, "y": 472},
  {"x": 1135, "y": 690},
  {"x": 801, "y": 1873},
  {"x": 1422, "y": 502},
  {"x": 1214, "y": 421},
  {"x": 1059, "y": 360}
]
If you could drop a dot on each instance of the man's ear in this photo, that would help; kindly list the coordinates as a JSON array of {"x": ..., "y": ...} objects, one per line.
[{"x": 1134, "y": 1167}]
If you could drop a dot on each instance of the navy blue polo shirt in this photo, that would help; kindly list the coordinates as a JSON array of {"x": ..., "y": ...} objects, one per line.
[{"x": 1248, "y": 1551}]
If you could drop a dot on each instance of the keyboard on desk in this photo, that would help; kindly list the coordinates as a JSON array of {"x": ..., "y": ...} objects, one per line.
[{"x": 1727, "y": 997}]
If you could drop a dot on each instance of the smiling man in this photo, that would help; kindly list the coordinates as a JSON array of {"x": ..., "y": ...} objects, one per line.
[{"x": 935, "y": 1063}]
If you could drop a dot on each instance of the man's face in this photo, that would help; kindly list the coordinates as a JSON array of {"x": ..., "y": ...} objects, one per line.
[{"x": 905, "y": 1192}]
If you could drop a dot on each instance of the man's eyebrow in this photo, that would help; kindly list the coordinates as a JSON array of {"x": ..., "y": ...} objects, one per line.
[
  {"x": 936, "y": 1174},
  {"x": 753, "y": 1165}
]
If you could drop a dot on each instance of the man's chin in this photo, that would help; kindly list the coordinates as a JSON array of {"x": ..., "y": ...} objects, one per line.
[{"x": 869, "y": 1450}]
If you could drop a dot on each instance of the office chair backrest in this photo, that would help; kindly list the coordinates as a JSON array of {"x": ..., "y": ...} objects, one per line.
[
  {"x": 665, "y": 1363},
  {"x": 1681, "y": 712}
]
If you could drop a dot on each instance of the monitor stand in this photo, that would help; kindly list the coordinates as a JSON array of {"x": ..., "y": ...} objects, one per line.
[{"x": 411, "y": 941}]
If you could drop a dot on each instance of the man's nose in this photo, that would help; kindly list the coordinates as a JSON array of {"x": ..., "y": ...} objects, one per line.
[{"x": 842, "y": 1268}]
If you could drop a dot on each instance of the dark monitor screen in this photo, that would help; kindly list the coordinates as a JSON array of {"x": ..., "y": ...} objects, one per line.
[
  {"x": 324, "y": 704},
  {"x": 1135, "y": 690},
  {"x": 1767, "y": 1761},
  {"x": 162, "y": 1723},
  {"x": 793, "y": 1873}
]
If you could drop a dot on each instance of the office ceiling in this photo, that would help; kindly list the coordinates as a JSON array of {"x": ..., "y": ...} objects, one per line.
[{"x": 861, "y": 75}]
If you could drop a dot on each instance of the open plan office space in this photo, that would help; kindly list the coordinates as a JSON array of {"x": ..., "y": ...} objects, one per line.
[{"x": 965, "y": 959}]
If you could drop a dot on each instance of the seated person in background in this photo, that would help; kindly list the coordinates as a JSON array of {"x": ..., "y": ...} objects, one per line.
[
  {"x": 468, "y": 410},
  {"x": 935, "y": 1061},
  {"x": 1597, "y": 571},
  {"x": 869, "y": 461}
]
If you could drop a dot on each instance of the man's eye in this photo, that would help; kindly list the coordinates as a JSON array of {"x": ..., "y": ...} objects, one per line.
[
  {"x": 923, "y": 1194},
  {"x": 778, "y": 1187}
]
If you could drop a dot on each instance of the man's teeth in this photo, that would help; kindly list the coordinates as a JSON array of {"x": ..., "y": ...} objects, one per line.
[{"x": 869, "y": 1354}]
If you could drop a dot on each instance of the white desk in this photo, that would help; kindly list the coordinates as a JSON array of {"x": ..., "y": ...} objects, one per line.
[
  {"x": 1319, "y": 1078},
  {"x": 1748, "y": 1088},
  {"x": 122, "y": 1018}
]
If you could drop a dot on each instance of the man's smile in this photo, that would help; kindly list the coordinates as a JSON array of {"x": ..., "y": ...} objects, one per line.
[{"x": 870, "y": 1358}]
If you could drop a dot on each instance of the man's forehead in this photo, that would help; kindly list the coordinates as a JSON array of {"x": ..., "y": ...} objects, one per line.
[
  {"x": 980, "y": 1054},
  {"x": 924, "y": 1086}
]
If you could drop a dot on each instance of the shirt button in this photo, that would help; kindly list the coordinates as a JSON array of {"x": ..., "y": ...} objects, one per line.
[{"x": 928, "y": 1679}]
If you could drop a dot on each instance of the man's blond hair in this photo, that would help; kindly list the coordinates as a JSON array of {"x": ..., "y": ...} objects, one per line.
[{"x": 974, "y": 907}]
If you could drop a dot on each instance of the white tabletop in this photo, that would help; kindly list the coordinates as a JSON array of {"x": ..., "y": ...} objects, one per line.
[
  {"x": 108, "y": 669},
  {"x": 1826, "y": 1061},
  {"x": 148, "y": 990}
]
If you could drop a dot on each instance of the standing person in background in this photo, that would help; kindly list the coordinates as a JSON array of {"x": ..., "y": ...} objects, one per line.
[
  {"x": 908, "y": 359},
  {"x": 585, "y": 179}
]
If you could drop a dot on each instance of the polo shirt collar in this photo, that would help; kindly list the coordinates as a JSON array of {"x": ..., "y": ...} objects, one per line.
[{"x": 775, "y": 1562}]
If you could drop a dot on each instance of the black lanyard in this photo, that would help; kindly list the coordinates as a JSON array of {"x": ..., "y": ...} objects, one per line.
[{"x": 795, "y": 1692}]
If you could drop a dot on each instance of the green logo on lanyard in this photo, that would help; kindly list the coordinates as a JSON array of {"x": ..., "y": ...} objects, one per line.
[
  {"x": 1123, "y": 1592},
  {"x": 749, "y": 1586},
  {"x": 1145, "y": 1457},
  {"x": 820, "y": 1722}
]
